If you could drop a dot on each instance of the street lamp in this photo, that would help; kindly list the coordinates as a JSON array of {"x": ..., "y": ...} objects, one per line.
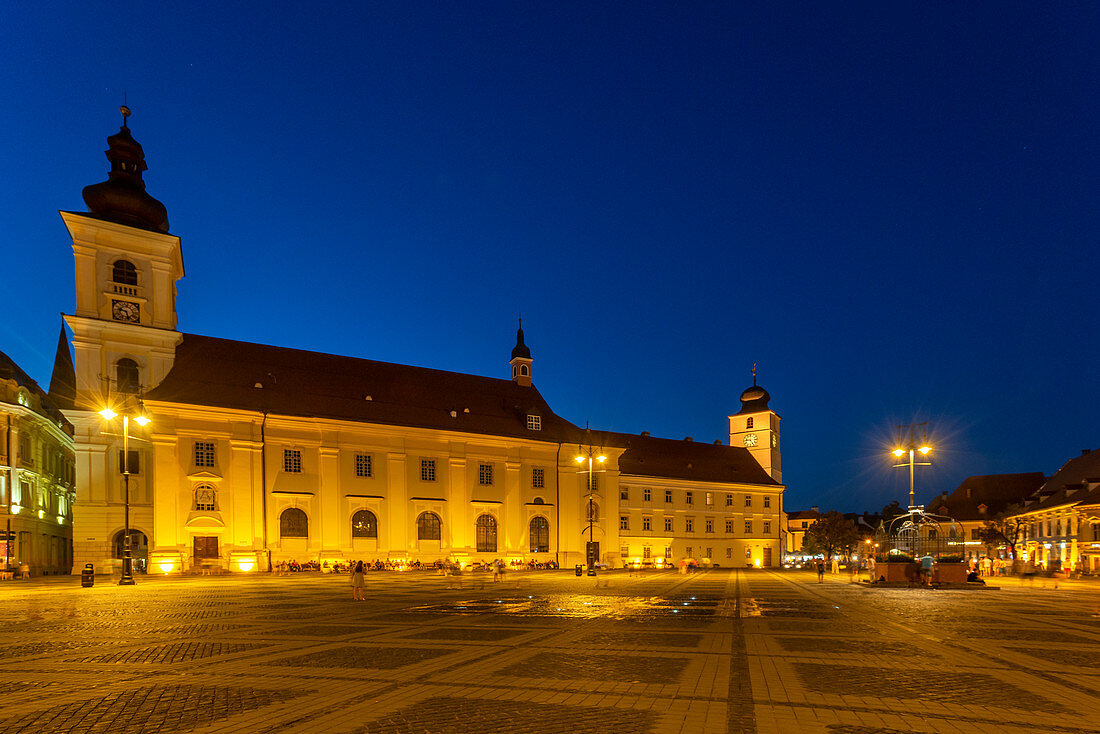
[
  {"x": 913, "y": 445},
  {"x": 591, "y": 457},
  {"x": 142, "y": 420}
]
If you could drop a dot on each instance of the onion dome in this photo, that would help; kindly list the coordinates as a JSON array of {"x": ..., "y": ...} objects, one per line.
[
  {"x": 754, "y": 399},
  {"x": 122, "y": 197},
  {"x": 520, "y": 350}
]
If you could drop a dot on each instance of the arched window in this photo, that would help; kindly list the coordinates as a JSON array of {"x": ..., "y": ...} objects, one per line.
[
  {"x": 486, "y": 534},
  {"x": 205, "y": 498},
  {"x": 523, "y": 369},
  {"x": 127, "y": 377},
  {"x": 540, "y": 535},
  {"x": 592, "y": 512},
  {"x": 364, "y": 525},
  {"x": 293, "y": 523},
  {"x": 124, "y": 272},
  {"x": 538, "y": 501},
  {"x": 428, "y": 526}
]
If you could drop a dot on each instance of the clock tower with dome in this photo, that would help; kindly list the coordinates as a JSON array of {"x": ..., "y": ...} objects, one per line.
[{"x": 756, "y": 428}]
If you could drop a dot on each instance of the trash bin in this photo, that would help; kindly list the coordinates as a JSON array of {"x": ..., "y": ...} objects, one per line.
[
  {"x": 579, "y": 570},
  {"x": 87, "y": 576}
]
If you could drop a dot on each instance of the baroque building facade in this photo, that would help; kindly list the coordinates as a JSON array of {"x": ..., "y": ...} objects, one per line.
[
  {"x": 257, "y": 454},
  {"x": 37, "y": 477}
]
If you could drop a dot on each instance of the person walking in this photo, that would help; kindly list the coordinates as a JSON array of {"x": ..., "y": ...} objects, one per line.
[
  {"x": 871, "y": 568},
  {"x": 927, "y": 563},
  {"x": 821, "y": 571},
  {"x": 357, "y": 583},
  {"x": 836, "y": 565}
]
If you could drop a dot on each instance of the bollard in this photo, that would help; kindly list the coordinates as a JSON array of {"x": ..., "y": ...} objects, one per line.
[
  {"x": 579, "y": 570},
  {"x": 87, "y": 576}
]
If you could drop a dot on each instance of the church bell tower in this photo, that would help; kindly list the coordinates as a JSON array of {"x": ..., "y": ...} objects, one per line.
[{"x": 756, "y": 428}]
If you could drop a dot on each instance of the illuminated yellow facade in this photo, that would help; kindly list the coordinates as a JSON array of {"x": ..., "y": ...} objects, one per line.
[{"x": 258, "y": 454}]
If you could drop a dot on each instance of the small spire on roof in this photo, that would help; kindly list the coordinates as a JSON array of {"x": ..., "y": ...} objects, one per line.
[
  {"x": 125, "y": 113},
  {"x": 754, "y": 374}
]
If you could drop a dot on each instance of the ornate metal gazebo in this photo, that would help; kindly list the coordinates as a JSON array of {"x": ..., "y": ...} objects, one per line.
[{"x": 918, "y": 533}]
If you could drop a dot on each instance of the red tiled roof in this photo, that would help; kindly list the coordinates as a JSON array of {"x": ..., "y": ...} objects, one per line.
[
  {"x": 995, "y": 491},
  {"x": 1074, "y": 475},
  {"x": 223, "y": 373}
]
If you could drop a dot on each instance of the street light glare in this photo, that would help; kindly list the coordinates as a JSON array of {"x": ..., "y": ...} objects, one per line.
[
  {"x": 579, "y": 459},
  {"x": 108, "y": 414},
  {"x": 142, "y": 420},
  {"x": 899, "y": 452},
  {"x": 601, "y": 459},
  {"x": 924, "y": 449}
]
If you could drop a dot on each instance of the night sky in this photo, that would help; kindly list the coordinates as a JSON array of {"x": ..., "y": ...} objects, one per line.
[{"x": 891, "y": 207}]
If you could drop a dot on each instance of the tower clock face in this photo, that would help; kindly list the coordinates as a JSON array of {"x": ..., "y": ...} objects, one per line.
[
  {"x": 750, "y": 439},
  {"x": 126, "y": 311}
]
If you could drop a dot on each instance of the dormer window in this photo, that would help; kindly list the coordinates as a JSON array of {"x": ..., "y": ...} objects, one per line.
[
  {"x": 124, "y": 273},
  {"x": 534, "y": 422}
]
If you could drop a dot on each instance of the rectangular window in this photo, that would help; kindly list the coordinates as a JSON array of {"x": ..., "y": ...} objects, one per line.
[
  {"x": 592, "y": 481},
  {"x": 767, "y": 502},
  {"x": 748, "y": 500},
  {"x": 710, "y": 498},
  {"x": 647, "y": 523},
  {"x": 729, "y": 526},
  {"x": 534, "y": 423},
  {"x": 538, "y": 477},
  {"x": 624, "y": 550},
  {"x": 689, "y": 525},
  {"x": 729, "y": 552},
  {"x": 668, "y": 525},
  {"x": 624, "y": 522},
  {"x": 975, "y": 534},
  {"x": 624, "y": 493},
  {"x": 748, "y": 527},
  {"x": 668, "y": 495},
  {"x": 688, "y": 551},
  {"x": 748, "y": 554},
  {"x": 729, "y": 500},
  {"x": 647, "y": 494},
  {"x": 292, "y": 461},
  {"x": 710, "y": 525},
  {"x": 805, "y": 524},
  {"x": 204, "y": 453},
  {"x": 485, "y": 475},
  {"x": 646, "y": 551},
  {"x": 767, "y": 528},
  {"x": 710, "y": 552},
  {"x": 134, "y": 461},
  {"x": 363, "y": 466},
  {"x": 427, "y": 470},
  {"x": 688, "y": 498},
  {"x": 668, "y": 551}
]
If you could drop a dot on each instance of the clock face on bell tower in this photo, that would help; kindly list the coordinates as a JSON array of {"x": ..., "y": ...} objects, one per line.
[{"x": 125, "y": 311}]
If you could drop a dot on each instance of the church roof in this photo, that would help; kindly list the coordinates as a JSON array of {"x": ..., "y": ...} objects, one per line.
[
  {"x": 704, "y": 462},
  {"x": 63, "y": 379},
  {"x": 224, "y": 373},
  {"x": 122, "y": 197}
]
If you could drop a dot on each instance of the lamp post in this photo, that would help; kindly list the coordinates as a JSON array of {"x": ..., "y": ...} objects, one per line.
[
  {"x": 588, "y": 456},
  {"x": 914, "y": 445},
  {"x": 127, "y": 556}
]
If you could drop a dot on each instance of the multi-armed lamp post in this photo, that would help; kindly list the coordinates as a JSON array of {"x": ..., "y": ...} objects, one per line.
[
  {"x": 917, "y": 449},
  {"x": 592, "y": 457},
  {"x": 142, "y": 420}
]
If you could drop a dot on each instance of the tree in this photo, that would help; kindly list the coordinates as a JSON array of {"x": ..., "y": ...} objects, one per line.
[
  {"x": 1001, "y": 530},
  {"x": 830, "y": 534}
]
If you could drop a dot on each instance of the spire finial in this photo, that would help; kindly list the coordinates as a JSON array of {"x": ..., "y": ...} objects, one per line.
[
  {"x": 125, "y": 113},
  {"x": 754, "y": 374}
]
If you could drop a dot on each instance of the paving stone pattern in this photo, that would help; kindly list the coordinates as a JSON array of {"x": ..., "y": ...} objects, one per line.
[{"x": 716, "y": 651}]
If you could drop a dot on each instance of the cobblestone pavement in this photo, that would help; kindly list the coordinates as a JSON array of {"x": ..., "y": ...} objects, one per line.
[{"x": 718, "y": 651}]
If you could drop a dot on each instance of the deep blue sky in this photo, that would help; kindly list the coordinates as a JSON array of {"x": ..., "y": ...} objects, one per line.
[{"x": 891, "y": 207}]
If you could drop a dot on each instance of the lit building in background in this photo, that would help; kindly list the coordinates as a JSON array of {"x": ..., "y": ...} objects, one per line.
[
  {"x": 258, "y": 454},
  {"x": 37, "y": 477}
]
